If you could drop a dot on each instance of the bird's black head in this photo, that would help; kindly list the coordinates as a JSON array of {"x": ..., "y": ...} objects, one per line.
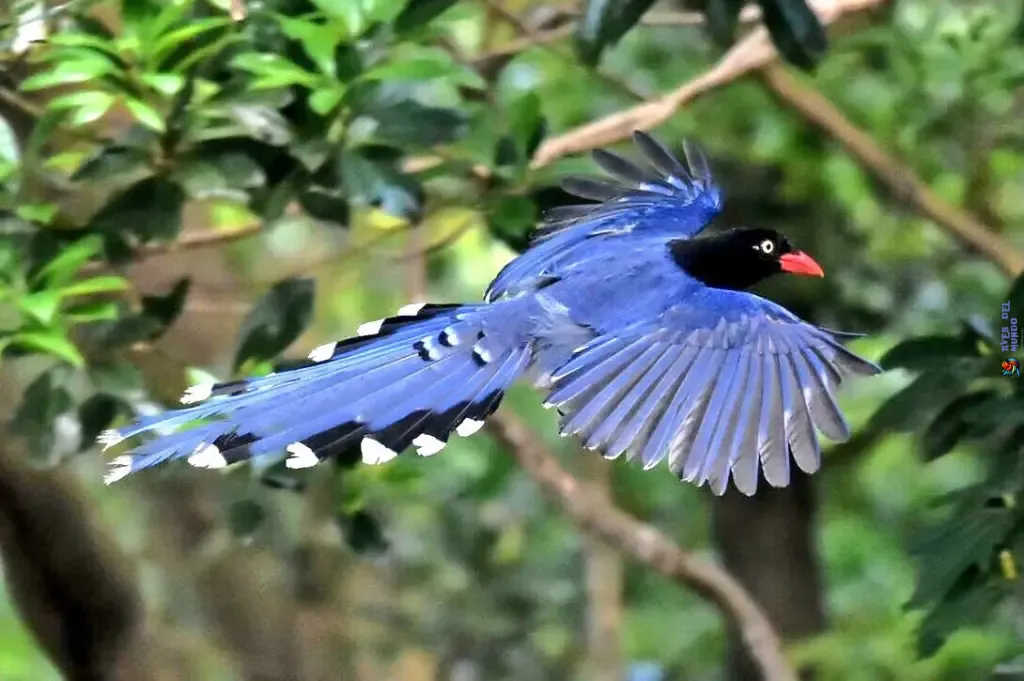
[{"x": 739, "y": 258}]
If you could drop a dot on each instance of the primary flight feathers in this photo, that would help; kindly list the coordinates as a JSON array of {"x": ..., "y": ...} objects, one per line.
[{"x": 634, "y": 321}]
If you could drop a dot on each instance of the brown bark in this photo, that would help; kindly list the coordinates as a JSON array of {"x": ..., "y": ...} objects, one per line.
[
  {"x": 72, "y": 587},
  {"x": 604, "y": 580},
  {"x": 768, "y": 543}
]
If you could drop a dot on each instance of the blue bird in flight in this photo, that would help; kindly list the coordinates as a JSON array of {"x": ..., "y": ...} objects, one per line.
[{"x": 635, "y": 322}]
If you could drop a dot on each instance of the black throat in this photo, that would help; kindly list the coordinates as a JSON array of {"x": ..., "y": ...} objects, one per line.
[{"x": 720, "y": 262}]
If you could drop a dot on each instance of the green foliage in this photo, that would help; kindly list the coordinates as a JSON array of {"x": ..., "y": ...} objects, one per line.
[
  {"x": 795, "y": 30},
  {"x": 275, "y": 321},
  {"x": 969, "y": 554},
  {"x": 793, "y": 26},
  {"x": 340, "y": 124}
]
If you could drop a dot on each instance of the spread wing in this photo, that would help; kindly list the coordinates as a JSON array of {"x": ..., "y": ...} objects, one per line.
[
  {"x": 732, "y": 390},
  {"x": 666, "y": 198}
]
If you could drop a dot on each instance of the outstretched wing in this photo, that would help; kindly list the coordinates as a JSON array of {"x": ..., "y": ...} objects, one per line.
[
  {"x": 732, "y": 391},
  {"x": 667, "y": 198}
]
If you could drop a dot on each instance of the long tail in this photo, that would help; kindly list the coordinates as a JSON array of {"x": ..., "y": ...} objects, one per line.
[{"x": 408, "y": 380}]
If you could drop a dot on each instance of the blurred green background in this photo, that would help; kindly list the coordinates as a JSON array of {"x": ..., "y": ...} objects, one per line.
[{"x": 215, "y": 187}]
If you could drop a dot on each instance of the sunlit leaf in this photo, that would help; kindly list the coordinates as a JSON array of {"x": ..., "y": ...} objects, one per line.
[
  {"x": 145, "y": 114},
  {"x": 80, "y": 70},
  {"x": 41, "y": 306},
  {"x": 104, "y": 284},
  {"x": 63, "y": 268},
  {"x": 52, "y": 342},
  {"x": 319, "y": 41}
]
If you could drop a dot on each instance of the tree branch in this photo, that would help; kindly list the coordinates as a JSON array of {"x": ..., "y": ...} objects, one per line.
[
  {"x": 186, "y": 242},
  {"x": 645, "y": 544},
  {"x": 752, "y": 52},
  {"x": 817, "y": 109}
]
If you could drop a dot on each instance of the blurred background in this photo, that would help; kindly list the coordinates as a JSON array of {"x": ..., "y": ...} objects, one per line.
[{"x": 197, "y": 187}]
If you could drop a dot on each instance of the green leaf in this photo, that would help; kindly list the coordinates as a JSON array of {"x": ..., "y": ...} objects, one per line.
[
  {"x": 263, "y": 123},
  {"x": 382, "y": 11},
  {"x": 104, "y": 284},
  {"x": 407, "y": 123},
  {"x": 51, "y": 342},
  {"x": 150, "y": 209},
  {"x": 795, "y": 31},
  {"x": 41, "y": 306},
  {"x": 318, "y": 41},
  {"x": 375, "y": 181},
  {"x": 418, "y": 13},
  {"x": 927, "y": 352},
  {"x": 274, "y": 71},
  {"x": 512, "y": 219},
  {"x": 98, "y": 311},
  {"x": 910, "y": 408},
  {"x": 227, "y": 174},
  {"x": 82, "y": 69},
  {"x": 156, "y": 316},
  {"x": 145, "y": 114},
  {"x": 95, "y": 415},
  {"x": 114, "y": 162},
  {"x": 39, "y": 213},
  {"x": 426, "y": 65},
  {"x": 603, "y": 23},
  {"x": 71, "y": 258},
  {"x": 88, "y": 106},
  {"x": 349, "y": 12},
  {"x": 363, "y": 533},
  {"x": 327, "y": 204},
  {"x": 970, "y": 605},
  {"x": 180, "y": 37},
  {"x": 167, "y": 84},
  {"x": 44, "y": 400},
  {"x": 275, "y": 321},
  {"x": 722, "y": 17},
  {"x": 1016, "y": 298},
  {"x": 144, "y": 19},
  {"x": 324, "y": 100},
  {"x": 953, "y": 423},
  {"x": 527, "y": 124},
  {"x": 245, "y": 517},
  {"x": 953, "y": 547},
  {"x": 72, "y": 39}
]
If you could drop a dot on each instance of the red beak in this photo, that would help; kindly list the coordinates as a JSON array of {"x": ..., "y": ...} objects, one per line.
[{"x": 799, "y": 262}]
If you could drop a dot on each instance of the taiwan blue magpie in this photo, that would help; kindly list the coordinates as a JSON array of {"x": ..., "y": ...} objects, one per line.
[{"x": 634, "y": 321}]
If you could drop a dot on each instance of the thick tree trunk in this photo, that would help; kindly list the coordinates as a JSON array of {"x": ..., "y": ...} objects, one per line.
[{"x": 768, "y": 542}]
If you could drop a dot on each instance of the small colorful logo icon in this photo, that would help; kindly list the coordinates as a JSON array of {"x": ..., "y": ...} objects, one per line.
[{"x": 1011, "y": 367}]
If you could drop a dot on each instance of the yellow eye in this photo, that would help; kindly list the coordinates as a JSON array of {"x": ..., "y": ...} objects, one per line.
[{"x": 767, "y": 246}]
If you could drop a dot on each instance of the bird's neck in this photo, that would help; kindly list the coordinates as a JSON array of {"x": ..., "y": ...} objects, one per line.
[{"x": 713, "y": 261}]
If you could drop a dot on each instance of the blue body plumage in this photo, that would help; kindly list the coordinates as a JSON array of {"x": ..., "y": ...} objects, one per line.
[{"x": 635, "y": 323}]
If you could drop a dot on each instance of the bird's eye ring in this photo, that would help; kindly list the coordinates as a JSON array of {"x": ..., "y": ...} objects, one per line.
[{"x": 767, "y": 246}]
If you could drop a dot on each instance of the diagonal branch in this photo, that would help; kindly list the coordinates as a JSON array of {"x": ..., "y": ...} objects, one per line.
[
  {"x": 754, "y": 51},
  {"x": 904, "y": 183},
  {"x": 645, "y": 544}
]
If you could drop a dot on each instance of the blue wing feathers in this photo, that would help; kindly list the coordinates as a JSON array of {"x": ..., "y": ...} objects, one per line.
[
  {"x": 663, "y": 199},
  {"x": 638, "y": 357},
  {"x": 430, "y": 369}
]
